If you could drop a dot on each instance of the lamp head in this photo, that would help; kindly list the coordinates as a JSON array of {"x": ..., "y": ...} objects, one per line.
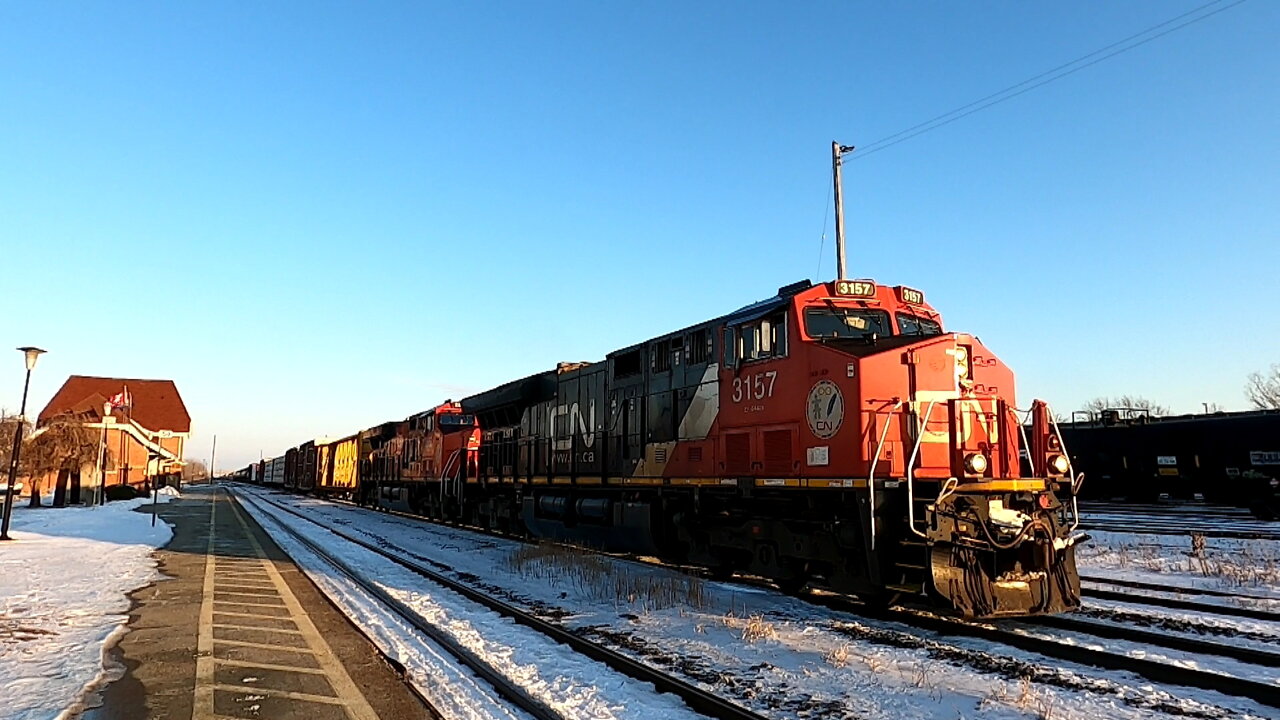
[{"x": 32, "y": 354}]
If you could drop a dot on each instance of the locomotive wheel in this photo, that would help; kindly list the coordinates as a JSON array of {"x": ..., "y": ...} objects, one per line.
[{"x": 793, "y": 585}]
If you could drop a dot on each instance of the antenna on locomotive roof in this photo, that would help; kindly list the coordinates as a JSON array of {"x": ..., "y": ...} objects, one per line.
[{"x": 837, "y": 152}]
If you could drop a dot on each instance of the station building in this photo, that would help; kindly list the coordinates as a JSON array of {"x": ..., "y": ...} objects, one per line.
[{"x": 144, "y": 422}]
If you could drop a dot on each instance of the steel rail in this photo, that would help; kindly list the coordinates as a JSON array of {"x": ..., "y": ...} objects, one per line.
[
  {"x": 1176, "y": 604},
  {"x": 513, "y": 693},
  {"x": 1261, "y": 692},
  {"x": 1253, "y": 656},
  {"x": 1166, "y": 527},
  {"x": 1139, "y": 585},
  {"x": 696, "y": 698}
]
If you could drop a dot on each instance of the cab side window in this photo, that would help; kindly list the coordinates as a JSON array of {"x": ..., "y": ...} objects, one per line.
[{"x": 763, "y": 339}]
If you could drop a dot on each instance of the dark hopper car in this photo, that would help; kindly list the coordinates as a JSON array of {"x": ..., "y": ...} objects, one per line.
[{"x": 1221, "y": 458}]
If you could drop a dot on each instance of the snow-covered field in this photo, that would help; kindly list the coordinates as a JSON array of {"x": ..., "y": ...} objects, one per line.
[
  {"x": 775, "y": 654},
  {"x": 1249, "y": 569},
  {"x": 1183, "y": 519},
  {"x": 63, "y": 586}
]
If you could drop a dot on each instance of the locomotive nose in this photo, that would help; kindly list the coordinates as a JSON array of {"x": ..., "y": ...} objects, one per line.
[{"x": 1035, "y": 574}]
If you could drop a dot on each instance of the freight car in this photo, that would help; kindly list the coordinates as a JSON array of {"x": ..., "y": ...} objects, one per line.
[
  {"x": 337, "y": 466},
  {"x": 832, "y": 434},
  {"x": 1223, "y": 458},
  {"x": 274, "y": 472},
  {"x": 256, "y": 472}
]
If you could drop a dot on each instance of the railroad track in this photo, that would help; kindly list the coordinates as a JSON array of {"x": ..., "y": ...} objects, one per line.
[
  {"x": 1162, "y": 672},
  {"x": 699, "y": 700},
  {"x": 1171, "y": 528},
  {"x": 1179, "y": 604},
  {"x": 1088, "y": 592},
  {"x": 1229, "y": 523},
  {"x": 1261, "y": 692}
]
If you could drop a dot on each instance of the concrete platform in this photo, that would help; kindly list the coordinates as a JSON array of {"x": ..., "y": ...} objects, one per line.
[{"x": 240, "y": 632}]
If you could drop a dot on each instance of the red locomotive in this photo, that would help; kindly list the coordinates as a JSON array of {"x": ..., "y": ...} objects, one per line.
[
  {"x": 833, "y": 434},
  {"x": 437, "y": 447}
]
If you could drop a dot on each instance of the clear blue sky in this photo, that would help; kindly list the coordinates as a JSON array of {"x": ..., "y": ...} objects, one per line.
[{"x": 318, "y": 216}]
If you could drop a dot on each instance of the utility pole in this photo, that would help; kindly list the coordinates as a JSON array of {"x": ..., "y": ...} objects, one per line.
[
  {"x": 213, "y": 457},
  {"x": 837, "y": 152}
]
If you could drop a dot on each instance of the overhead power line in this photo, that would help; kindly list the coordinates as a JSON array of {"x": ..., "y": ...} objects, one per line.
[{"x": 1084, "y": 61}]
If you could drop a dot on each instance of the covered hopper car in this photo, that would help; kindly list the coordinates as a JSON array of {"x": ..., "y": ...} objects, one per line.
[{"x": 1222, "y": 458}]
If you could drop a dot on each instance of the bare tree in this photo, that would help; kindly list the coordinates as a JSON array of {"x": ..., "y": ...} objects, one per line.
[
  {"x": 62, "y": 447},
  {"x": 8, "y": 425},
  {"x": 1263, "y": 389},
  {"x": 1134, "y": 402},
  {"x": 193, "y": 471}
]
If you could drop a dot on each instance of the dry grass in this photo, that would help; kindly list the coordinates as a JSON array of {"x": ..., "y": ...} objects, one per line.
[
  {"x": 838, "y": 657},
  {"x": 1240, "y": 568},
  {"x": 757, "y": 628},
  {"x": 1238, "y": 565},
  {"x": 752, "y": 627},
  {"x": 599, "y": 577},
  {"x": 1028, "y": 700}
]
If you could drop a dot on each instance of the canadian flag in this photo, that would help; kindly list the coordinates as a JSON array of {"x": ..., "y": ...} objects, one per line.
[{"x": 122, "y": 399}]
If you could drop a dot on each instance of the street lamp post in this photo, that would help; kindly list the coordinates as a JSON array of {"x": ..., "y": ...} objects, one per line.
[{"x": 31, "y": 353}]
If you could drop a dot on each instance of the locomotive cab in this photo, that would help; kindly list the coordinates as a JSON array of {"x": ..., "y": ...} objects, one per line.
[{"x": 924, "y": 421}]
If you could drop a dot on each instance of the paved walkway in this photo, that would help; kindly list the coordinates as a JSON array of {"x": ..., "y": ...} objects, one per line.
[{"x": 240, "y": 632}]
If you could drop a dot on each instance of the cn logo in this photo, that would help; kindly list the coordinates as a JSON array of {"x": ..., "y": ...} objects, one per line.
[
  {"x": 824, "y": 409},
  {"x": 583, "y": 423}
]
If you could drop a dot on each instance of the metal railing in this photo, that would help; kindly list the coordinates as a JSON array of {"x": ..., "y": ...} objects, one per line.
[
  {"x": 871, "y": 476},
  {"x": 915, "y": 452}
]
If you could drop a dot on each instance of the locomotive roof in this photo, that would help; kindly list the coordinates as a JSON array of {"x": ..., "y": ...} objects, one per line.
[{"x": 531, "y": 389}]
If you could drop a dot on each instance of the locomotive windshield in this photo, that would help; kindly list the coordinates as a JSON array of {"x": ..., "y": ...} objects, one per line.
[
  {"x": 455, "y": 421},
  {"x": 846, "y": 323},
  {"x": 916, "y": 325}
]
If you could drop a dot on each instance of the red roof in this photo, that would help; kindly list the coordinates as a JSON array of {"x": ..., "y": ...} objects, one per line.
[{"x": 156, "y": 403}]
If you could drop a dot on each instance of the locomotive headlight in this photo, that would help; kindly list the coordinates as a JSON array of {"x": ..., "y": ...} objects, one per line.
[
  {"x": 962, "y": 363},
  {"x": 975, "y": 463},
  {"x": 1059, "y": 464}
]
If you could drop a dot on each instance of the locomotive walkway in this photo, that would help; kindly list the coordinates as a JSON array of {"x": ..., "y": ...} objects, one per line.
[{"x": 240, "y": 632}]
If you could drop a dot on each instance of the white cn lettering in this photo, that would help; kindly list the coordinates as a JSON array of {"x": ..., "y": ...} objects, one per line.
[{"x": 585, "y": 425}]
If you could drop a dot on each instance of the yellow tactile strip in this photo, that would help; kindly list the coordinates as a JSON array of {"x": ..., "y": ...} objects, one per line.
[{"x": 259, "y": 655}]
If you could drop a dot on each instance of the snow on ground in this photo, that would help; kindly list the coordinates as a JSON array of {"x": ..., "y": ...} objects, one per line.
[
  {"x": 1261, "y": 635},
  {"x": 432, "y": 671},
  {"x": 768, "y": 651},
  {"x": 571, "y": 684},
  {"x": 1248, "y": 567},
  {"x": 64, "y": 582}
]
